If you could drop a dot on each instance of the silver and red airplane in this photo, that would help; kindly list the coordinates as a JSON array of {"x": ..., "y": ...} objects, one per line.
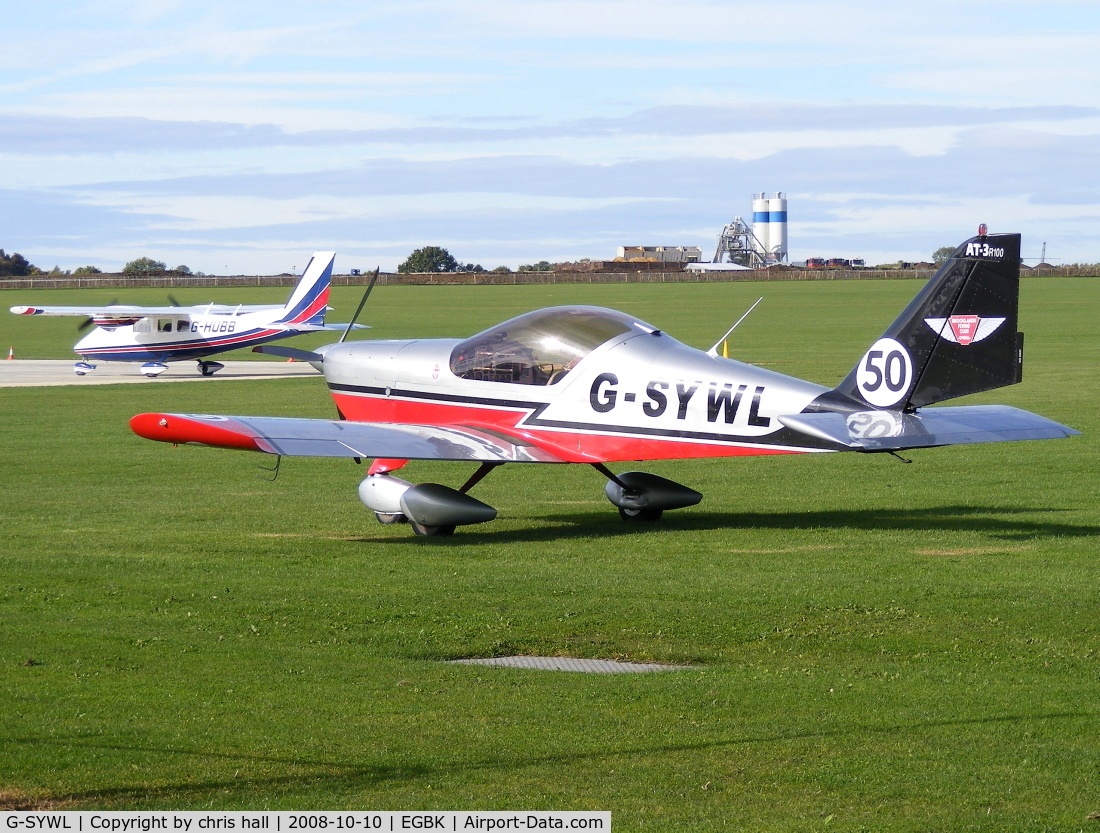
[
  {"x": 581, "y": 384},
  {"x": 157, "y": 335}
]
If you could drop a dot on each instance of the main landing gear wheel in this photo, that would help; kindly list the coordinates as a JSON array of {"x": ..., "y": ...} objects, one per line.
[
  {"x": 390, "y": 517},
  {"x": 431, "y": 531},
  {"x": 635, "y": 516}
]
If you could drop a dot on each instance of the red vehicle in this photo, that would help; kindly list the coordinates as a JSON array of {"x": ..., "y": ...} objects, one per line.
[{"x": 815, "y": 263}]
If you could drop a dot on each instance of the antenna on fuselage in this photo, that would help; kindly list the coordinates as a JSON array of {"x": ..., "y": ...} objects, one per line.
[
  {"x": 362, "y": 303},
  {"x": 713, "y": 351}
]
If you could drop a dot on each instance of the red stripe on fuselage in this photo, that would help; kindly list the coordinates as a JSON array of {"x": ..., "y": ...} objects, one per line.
[
  {"x": 575, "y": 445},
  {"x": 318, "y": 303}
]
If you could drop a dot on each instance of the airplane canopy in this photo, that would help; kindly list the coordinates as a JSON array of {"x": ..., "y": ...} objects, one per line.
[{"x": 541, "y": 347}]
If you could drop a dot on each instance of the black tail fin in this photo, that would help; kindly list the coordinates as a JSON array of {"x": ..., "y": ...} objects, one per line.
[{"x": 958, "y": 336}]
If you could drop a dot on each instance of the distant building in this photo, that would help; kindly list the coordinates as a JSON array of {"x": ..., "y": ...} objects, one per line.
[{"x": 662, "y": 254}]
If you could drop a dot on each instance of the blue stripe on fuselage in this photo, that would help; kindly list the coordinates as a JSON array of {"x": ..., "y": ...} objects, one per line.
[{"x": 180, "y": 351}]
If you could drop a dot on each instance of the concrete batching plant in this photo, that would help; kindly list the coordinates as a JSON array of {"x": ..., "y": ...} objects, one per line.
[{"x": 765, "y": 244}]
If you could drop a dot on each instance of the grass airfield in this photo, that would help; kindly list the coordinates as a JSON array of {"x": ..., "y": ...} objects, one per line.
[{"x": 875, "y": 646}]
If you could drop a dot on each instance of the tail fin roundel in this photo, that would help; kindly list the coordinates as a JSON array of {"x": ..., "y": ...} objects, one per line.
[{"x": 957, "y": 336}]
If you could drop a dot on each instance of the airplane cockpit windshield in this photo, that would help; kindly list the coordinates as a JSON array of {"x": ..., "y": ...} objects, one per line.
[{"x": 538, "y": 348}]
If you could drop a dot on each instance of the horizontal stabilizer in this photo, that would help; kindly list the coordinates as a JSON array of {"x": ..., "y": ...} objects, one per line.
[
  {"x": 293, "y": 437},
  {"x": 313, "y": 328},
  {"x": 928, "y": 427}
]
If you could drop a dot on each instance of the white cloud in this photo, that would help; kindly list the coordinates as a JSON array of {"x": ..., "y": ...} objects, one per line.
[
  {"x": 542, "y": 126},
  {"x": 198, "y": 213}
]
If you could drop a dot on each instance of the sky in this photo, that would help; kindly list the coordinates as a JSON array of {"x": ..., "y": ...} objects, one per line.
[{"x": 240, "y": 137}]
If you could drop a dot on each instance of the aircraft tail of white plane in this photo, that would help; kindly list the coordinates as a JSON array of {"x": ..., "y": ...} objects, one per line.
[{"x": 309, "y": 300}]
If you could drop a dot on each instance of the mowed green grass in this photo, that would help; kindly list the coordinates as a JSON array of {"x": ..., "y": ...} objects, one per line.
[{"x": 874, "y": 646}]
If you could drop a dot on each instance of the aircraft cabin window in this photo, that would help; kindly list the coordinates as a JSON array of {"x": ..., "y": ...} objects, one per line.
[
  {"x": 183, "y": 325},
  {"x": 538, "y": 348},
  {"x": 164, "y": 325}
]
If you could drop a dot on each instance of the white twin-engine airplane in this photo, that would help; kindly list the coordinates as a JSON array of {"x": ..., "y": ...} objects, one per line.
[
  {"x": 157, "y": 335},
  {"x": 596, "y": 386}
]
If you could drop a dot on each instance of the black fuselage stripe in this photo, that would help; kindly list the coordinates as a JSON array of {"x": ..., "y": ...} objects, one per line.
[
  {"x": 441, "y": 397},
  {"x": 794, "y": 440}
]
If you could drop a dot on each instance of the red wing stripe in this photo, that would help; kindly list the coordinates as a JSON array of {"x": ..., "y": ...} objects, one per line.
[{"x": 217, "y": 431}]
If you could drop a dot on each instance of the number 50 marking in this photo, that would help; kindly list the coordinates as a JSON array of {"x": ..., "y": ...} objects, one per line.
[{"x": 885, "y": 373}]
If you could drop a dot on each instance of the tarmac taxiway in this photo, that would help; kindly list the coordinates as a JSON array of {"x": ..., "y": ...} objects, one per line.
[{"x": 49, "y": 373}]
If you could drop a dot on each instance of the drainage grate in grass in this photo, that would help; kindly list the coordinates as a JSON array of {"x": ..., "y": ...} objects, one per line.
[{"x": 587, "y": 666}]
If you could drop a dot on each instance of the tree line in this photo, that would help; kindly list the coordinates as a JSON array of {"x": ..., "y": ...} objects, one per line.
[
  {"x": 426, "y": 259},
  {"x": 17, "y": 266},
  {"x": 438, "y": 259}
]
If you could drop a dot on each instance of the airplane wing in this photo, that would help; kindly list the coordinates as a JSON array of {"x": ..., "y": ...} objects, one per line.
[
  {"x": 112, "y": 311},
  {"x": 131, "y": 311},
  {"x": 927, "y": 427},
  {"x": 293, "y": 437},
  {"x": 128, "y": 312}
]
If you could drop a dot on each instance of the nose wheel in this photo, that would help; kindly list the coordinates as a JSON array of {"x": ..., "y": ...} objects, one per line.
[
  {"x": 431, "y": 531},
  {"x": 390, "y": 518},
  {"x": 640, "y": 516}
]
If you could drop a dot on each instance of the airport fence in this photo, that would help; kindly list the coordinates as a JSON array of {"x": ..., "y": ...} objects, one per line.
[{"x": 119, "y": 281}]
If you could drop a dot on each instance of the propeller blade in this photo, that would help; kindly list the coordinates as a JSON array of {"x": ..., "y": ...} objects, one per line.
[
  {"x": 88, "y": 322},
  {"x": 359, "y": 309},
  {"x": 288, "y": 353},
  {"x": 172, "y": 300}
]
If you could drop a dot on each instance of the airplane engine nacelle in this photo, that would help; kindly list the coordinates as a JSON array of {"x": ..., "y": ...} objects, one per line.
[
  {"x": 382, "y": 493},
  {"x": 650, "y": 492}
]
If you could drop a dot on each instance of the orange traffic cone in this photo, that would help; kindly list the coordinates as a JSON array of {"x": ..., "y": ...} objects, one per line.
[{"x": 11, "y": 353}]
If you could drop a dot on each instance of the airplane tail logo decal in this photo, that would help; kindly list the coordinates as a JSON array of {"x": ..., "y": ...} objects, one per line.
[{"x": 964, "y": 329}]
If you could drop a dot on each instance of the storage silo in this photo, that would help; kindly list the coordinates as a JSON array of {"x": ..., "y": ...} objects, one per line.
[
  {"x": 777, "y": 227},
  {"x": 761, "y": 220}
]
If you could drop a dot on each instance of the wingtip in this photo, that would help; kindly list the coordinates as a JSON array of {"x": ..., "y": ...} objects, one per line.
[{"x": 179, "y": 428}]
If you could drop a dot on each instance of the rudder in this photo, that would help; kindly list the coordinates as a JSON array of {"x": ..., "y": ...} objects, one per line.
[
  {"x": 956, "y": 337},
  {"x": 309, "y": 300}
]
